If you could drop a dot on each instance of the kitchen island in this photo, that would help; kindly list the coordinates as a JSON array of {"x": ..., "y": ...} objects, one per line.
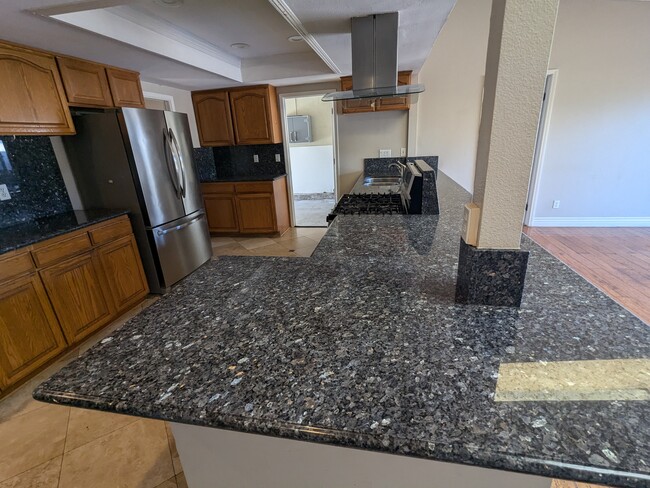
[{"x": 362, "y": 346}]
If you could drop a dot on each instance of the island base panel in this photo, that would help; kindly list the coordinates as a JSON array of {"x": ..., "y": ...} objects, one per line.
[{"x": 215, "y": 458}]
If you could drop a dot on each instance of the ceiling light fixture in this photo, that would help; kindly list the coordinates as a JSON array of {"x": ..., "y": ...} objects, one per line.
[
  {"x": 296, "y": 38},
  {"x": 169, "y": 3},
  {"x": 240, "y": 45}
]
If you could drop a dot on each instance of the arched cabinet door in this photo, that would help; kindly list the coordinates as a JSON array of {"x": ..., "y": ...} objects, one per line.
[
  {"x": 255, "y": 115},
  {"x": 212, "y": 110},
  {"x": 33, "y": 98}
]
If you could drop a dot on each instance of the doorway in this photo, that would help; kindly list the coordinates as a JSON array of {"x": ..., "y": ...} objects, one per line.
[
  {"x": 540, "y": 145},
  {"x": 309, "y": 146}
]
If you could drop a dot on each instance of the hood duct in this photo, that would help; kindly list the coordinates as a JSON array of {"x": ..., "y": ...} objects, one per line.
[{"x": 374, "y": 60}]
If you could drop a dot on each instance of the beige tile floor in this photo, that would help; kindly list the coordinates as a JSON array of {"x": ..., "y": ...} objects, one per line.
[{"x": 51, "y": 446}]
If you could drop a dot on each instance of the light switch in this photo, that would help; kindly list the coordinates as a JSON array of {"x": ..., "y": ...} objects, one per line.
[
  {"x": 277, "y": 158},
  {"x": 4, "y": 192},
  {"x": 256, "y": 158}
]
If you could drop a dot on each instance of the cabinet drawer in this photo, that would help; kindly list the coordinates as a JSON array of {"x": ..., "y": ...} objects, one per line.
[
  {"x": 217, "y": 188},
  {"x": 110, "y": 232},
  {"x": 257, "y": 187},
  {"x": 61, "y": 249},
  {"x": 15, "y": 265}
]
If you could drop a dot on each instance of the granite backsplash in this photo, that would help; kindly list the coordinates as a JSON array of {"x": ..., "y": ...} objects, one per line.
[
  {"x": 237, "y": 161},
  {"x": 29, "y": 168},
  {"x": 379, "y": 166}
]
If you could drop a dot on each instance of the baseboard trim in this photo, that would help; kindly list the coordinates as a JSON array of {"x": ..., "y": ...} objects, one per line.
[{"x": 591, "y": 222}]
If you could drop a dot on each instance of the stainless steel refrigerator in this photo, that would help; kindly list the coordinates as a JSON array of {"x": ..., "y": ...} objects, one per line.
[{"x": 141, "y": 160}]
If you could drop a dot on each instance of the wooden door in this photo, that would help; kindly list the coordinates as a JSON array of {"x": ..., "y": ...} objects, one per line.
[
  {"x": 86, "y": 84},
  {"x": 256, "y": 213},
  {"x": 76, "y": 289},
  {"x": 124, "y": 274},
  {"x": 29, "y": 332},
  {"x": 33, "y": 98},
  {"x": 212, "y": 110},
  {"x": 125, "y": 88},
  {"x": 396, "y": 103},
  {"x": 354, "y": 106},
  {"x": 254, "y": 115},
  {"x": 221, "y": 210}
]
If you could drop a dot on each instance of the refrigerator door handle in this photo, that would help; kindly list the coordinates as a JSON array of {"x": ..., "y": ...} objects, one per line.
[
  {"x": 181, "y": 163},
  {"x": 173, "y": 175},
  {"x": 162, "y": 232}
]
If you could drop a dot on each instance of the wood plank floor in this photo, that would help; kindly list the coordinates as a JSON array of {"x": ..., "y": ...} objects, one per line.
[{"x": 616, "y": 260}]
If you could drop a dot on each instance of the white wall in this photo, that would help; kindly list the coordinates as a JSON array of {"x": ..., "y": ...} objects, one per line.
[
  {"x": 321, "y": 118},
  {"x": 312, "y": 169},
  {"x": 448, "y": 112},
  {"x": 598, "y": 153},
  {"x": 362, "y": 135},
  {"x": 182, "y": 103}
]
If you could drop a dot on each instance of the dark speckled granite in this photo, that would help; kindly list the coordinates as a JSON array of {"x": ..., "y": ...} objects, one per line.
[
  {"x": 29, "y": 168},
  {"x": 379, "y": 166},
  {"x": 362, "y": 345},
  {"x": 38, "y": 230},
  {"x": 204, "y": 161},
  {"x": 490, "y": 276},
  {"x": 237, "y": 161},
  {"x": 260, "y": 177}
]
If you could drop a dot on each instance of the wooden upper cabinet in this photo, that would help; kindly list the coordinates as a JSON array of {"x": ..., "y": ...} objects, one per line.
[
  {"x": 354, "y": 106},
  {"x": 33, "y": 98},
  {"x": 86, "y": 83},
  {"x": 125, "y": 88},
  {"x": 212, "y": 110},
  {"x": 396, "y": 103},
  {"x": 255, "y": 115},
  {"x": 29, "y": 332}
]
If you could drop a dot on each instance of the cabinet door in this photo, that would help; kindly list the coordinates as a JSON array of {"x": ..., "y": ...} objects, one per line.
[
  {"x": 354, "y": 106},
  {"x": 221, "y": 211},
  {"x": 86, "y": 84},
  {"x": 212, "y": 110},
  {"x": 125, "y": 88},
  {"x": 124, "y": 274},
  {"x": 254, "y": 116},
  {"x": 256, "y": 213},
  {"x": 396, "y": 103},
  {"x": 29, "y": 332},
  {"x": 33, "y": 99},
  {"x": 77, "y": 291}
]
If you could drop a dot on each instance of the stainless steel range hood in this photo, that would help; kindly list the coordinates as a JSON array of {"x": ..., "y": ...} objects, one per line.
[{"x": 374, "y": 60}]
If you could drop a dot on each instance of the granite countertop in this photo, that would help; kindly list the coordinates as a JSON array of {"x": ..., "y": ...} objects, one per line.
[
  {"x": 220, "y": 179},
  {"x": 21, "y": 235},
  {"x": 362, "y": 345}
]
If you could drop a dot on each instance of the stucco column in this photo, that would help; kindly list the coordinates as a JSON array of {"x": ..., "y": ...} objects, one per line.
[{"x": 519, "y": 46}]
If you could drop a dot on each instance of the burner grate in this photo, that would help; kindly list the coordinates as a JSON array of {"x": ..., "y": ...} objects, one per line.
[{"x": 370, "y": 204}]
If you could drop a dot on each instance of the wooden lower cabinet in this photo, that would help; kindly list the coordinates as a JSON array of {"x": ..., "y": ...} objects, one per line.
[
  {"x": 77, "y": 290},
  {"x": 259, "y": 207},
  {"x": 29, "y": 332},
  {"x": 221, "y": 210},
  {"x": 256, "y": 213},
  {"x": 54, "y": 294},
  {"x": 125, "y": 276}
]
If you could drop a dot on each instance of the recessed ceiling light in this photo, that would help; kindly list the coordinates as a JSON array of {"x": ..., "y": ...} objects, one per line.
[
  {"x": 295, "y": 38},
  {"x": 240, "y": 45},
  {"x": 169, "y": 3}
]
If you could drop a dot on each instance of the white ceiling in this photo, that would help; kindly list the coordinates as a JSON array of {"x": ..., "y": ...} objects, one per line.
[{"x": 189, "y": 46}]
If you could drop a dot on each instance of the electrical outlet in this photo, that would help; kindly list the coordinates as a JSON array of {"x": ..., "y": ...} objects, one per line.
[
  {"x": 556, "y": 204},
  {"x": 256, "y": 158},
  {"x": 4, "y": 192},
  {"x": 385, "y": 153},
  {"x": 277, "y": 158},
  {"x": 402, "y": 152}
]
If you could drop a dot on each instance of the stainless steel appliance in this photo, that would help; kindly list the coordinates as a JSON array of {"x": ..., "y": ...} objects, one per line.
[{"x": 141, "y": 160}]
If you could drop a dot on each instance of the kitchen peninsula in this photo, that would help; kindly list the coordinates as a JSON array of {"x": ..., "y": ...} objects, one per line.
[{"x": 362, "y": 346}]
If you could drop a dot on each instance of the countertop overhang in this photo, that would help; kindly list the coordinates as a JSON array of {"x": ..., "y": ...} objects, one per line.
[{"x": 362, "y": 345}]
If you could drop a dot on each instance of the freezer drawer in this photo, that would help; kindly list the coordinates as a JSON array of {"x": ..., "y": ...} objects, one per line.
[{"x": 182, "y": 246}]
